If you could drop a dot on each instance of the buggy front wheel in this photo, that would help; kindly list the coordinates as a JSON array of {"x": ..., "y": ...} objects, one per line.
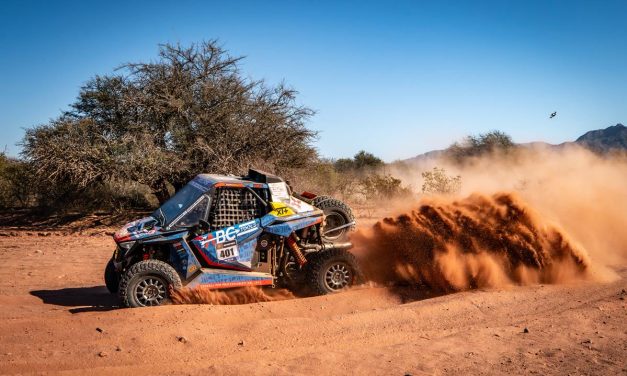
[
  {"x": 147, "y": 283},
  {"x": 338, "y": 218}
]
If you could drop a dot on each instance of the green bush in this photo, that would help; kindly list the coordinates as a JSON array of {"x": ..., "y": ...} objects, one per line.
[
  {"x": 383, "y": 187},
  {"x": 362, "y": 161},
  {"x": 482, "y": 144}
]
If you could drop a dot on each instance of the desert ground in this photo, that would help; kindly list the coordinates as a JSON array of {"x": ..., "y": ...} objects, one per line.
[{"x": 56, "y": 317}]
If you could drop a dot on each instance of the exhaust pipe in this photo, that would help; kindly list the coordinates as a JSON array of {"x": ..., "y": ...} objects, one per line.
[
  {"x": 329, "y": 246},
  {"x": 307, "y": 248}
]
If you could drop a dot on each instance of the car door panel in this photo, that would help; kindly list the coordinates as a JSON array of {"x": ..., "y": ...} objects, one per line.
[{"x": 231, "y": 247}]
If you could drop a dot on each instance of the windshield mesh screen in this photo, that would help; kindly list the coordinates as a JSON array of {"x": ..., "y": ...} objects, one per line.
[{"x": 231, "y": 206}]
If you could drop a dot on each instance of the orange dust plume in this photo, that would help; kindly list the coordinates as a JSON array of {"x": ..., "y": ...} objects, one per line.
[
  {"x": 241, "y": 295},
  {"x": 481, "y": 241}
]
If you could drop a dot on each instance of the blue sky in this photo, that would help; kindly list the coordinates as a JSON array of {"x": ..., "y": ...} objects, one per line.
[{"x": 394, "y": 78}]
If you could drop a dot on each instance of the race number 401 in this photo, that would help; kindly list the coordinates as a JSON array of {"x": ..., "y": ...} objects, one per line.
[{"x": 227, "y": 250}]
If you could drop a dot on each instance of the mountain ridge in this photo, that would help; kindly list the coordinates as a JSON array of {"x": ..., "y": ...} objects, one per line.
[{"x": 601, "y": 141}]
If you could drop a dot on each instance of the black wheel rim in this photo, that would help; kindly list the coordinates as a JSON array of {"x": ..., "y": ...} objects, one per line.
[
  {"x": 338, "y": 276},
  {"x": 333, "y": 220},
  {"x": 150, "y": 291}
]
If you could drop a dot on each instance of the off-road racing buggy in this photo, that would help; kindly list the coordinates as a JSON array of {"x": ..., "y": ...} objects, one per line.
[{"x": 226, "y": 231}]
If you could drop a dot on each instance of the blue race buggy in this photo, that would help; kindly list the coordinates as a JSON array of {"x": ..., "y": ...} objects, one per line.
[{"x": 226, "y": 231}]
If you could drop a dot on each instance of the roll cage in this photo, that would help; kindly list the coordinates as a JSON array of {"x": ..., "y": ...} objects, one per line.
[{"x": 223, "y": 206}]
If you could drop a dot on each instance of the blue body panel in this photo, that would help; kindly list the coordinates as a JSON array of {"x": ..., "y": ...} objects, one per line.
[
  {"x": 286, "y": 228},
  {"x": 231, "y": 247},
  {"x": 183, "y": 260}
]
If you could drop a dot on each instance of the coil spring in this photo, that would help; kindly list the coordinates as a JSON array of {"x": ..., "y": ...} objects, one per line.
[{"x": 298, "y": 254}]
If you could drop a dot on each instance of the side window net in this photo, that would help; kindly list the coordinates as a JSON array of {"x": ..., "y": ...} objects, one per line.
[
  {"x": 194, "y": 214},
  {"x": 231, "y": 206}
]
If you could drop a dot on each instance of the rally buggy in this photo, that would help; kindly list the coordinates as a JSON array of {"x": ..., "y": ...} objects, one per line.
[{"x": 226, "y": 231}]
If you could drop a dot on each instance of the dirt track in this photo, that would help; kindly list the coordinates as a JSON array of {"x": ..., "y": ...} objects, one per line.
[{"x": 57, "y": 317}]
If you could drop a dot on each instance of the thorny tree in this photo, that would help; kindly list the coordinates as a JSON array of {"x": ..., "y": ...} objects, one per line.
[
  {"x": 482, "y": 144},
  {"x": 161, "y": 122}
]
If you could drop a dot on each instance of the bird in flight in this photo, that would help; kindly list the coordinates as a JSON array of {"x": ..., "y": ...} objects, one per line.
[{"x": 552, "y": 115}]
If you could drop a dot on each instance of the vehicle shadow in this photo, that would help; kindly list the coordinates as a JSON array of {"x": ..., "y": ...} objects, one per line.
[
  {"x": 409, "y": 294},
  {"x": 82, "y": 299}
]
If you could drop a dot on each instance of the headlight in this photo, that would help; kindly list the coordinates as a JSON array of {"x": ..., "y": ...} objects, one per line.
[{"x": 126, "y": 245}]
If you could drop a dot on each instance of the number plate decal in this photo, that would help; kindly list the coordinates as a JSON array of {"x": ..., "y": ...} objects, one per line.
[{"x": 227, "y": 250}]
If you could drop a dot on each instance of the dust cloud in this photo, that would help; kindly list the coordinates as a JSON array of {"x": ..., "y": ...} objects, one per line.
[
  {"x": 584, "y": 193},
  {"x": 240, "y": 295},
  {"x": 567, "y": 206},
  {"x": 450, "y": 245}
]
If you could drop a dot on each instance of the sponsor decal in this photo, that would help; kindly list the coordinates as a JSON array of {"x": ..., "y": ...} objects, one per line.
[
  {"x": 206, "y": 239},
  {"x": 279, "y": 191},
  {"x": 299, "y": 205},
  {"x": 231, "y": 233},
  {"x": 227, "y": 234},
  {"x": 246, "y": 228},
  {"x": 281, "y": 212}
]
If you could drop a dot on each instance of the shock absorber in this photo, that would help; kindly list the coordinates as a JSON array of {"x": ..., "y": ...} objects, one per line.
[{"x": 296, "y": 251}]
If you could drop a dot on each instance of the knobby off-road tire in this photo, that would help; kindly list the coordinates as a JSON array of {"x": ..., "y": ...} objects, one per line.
[
  {"x": 147, "y": 283},
  {"x": 336, "y": 214},
  {"x": 111, "y": 277},
  {"x": 332, "y": 271}
]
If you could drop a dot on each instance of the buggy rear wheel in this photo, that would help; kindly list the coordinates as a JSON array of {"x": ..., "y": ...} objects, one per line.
[
  {"x": 337, "y": 214},
  {"x": 332, "y": 271},
  {"x": 147, "y": 283}
]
